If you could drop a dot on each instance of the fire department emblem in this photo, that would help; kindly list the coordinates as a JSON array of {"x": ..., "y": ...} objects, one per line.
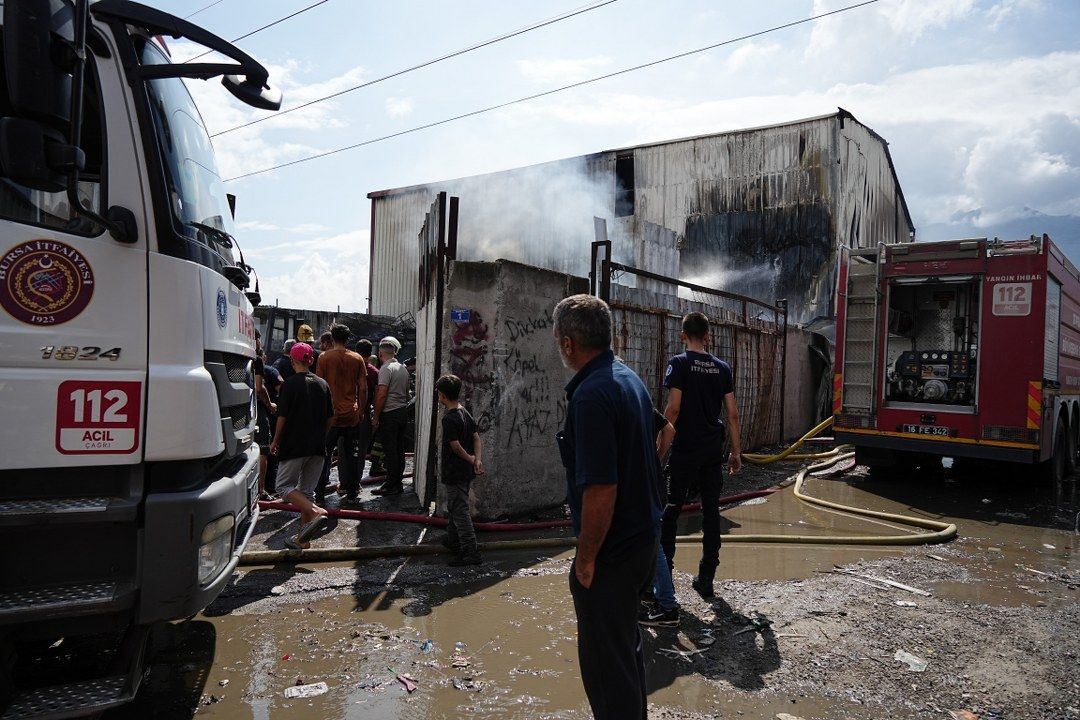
[{"x": 45, "y": 282}]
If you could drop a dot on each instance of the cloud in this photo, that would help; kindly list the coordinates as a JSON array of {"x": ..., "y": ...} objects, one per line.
[
  {"x": 263, "y": 226},
  {"x": 249, "y": 149},
  {"x": 399, "y": 107},
  {"x": 859, "y": 31},
  {"x": 561, "y": 70},
  {"x": 750, "y": 54},
  {"x": 998, "y": 145},
  {"x": 1007, "y": 9},
  {"x": 319, "y": 282},
  {"x": 319, "y": 273}
]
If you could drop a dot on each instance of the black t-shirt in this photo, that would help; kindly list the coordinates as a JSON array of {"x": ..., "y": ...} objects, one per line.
[
  {"x": 284, "y": 367},
  {"x": 704, "y": 380},
  {"x": 458, "y": 425},
  {"x": 305, "y": 405}
]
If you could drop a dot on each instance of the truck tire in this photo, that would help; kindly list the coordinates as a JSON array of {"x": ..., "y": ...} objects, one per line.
[{"x": 1054, "y": 469}]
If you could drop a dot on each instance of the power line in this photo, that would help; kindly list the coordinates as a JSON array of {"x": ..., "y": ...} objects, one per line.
[
  {"x": 264, "y": 27},
  {"x": 492, "y": 41},
  {"x": 206, "y": 7},
  {"x": 555, "y": 90}
]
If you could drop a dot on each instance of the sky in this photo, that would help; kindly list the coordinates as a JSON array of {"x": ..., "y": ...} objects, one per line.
[{"x": 978, "y": 99}]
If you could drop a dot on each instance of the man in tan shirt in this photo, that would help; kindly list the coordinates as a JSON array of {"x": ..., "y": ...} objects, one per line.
[{"x": 346, "y": 374}]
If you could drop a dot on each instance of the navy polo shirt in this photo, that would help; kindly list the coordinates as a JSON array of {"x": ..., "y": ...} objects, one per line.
[{"x": 608, "y": 438}]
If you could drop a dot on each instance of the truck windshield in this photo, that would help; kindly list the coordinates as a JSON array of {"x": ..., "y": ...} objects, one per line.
[{"x": 196, "y": 192}]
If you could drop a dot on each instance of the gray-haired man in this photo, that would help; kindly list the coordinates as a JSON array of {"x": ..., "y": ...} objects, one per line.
[
  {"x": 390, "y": 418},
  {"x": 609, "y": 451}
]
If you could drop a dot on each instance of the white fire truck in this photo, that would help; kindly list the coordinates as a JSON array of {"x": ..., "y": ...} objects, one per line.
[{"x": 128, "y": 474}]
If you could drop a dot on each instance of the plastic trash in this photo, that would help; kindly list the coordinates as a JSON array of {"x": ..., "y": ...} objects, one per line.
[
  {"x": 914, "y": 663},
  {"x": 306, "y": 691},
  {"x": 427, "y": 646},
  {"x": 459, "y": 646},
  {"x": 905, "y": 603}
]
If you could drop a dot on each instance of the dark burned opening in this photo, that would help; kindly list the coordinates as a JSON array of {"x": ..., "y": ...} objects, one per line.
[{"x": 624, "y": 185}]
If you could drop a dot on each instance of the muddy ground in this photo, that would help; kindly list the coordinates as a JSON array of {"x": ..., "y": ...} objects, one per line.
[{"x": 996, "y": 634}]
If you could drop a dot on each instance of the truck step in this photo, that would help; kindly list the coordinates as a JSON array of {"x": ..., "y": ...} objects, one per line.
[
  {"x": 68, "y": 600},
  {"x": 72, "y": 700},
  {"x": 118, "y": 685},
  {"x": 65, "y": 510}
]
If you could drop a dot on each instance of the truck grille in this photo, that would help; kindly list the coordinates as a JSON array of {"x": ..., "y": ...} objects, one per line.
[
  {"x": 241, "y": 416},
  {"x": 237, "y": 368},
  {"x": 1010, "y": 433}
]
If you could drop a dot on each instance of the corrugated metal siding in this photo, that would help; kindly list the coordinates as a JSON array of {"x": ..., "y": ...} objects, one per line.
[
  {"x": 758, "y": 212},
  {"x": 394, "y": 274}
]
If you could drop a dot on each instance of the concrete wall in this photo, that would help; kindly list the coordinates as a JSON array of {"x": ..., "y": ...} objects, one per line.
[{"x": 500, "y": 344}]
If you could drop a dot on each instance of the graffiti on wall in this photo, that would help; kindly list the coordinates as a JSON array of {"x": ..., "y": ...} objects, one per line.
[{"x": 508, "y": 383}]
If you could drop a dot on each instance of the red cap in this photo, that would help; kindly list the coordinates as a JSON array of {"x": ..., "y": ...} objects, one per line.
[{"x": 302, "y": 352}]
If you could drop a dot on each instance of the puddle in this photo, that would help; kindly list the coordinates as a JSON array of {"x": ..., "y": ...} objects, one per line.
[
  {"x": 520, "y": 650},
  {"x": 1016, "y": 550}
]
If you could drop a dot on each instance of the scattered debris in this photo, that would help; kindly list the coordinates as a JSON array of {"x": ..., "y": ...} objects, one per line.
[
  {"x": 905, "y": 603},
  {"x": 935, "y": 557},
  {"x": 427, "y": 646},
  {"x": 306, "y": 691},
  {"x": 914, "y": 663},
  {"x": 963, "y": 715},
  {"x": 56, "y": 644},
  {"x": 286, "y": 657},
  {"x": 987, "y": 501},
  {"x": 884, "y": 581},
  {"x": 706, "y": 640},
  {"x": 277, "y": 590},
  {"x": 459, "y": 661},
  {"x": 407, "y": 680},
  {"x": 224, "y": 682},
  {"x": 787, "y": 716},
  {"x": 212, "y": 700},
  {"x": 684, "y": 654},
  {"x": 1048, "y": 546}
]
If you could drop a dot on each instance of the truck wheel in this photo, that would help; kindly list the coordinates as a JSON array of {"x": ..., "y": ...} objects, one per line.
[{"x": 1054, "y": 469}]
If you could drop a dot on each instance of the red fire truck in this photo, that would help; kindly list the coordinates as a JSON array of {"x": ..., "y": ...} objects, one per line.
[{"x": 963, "y": 349}]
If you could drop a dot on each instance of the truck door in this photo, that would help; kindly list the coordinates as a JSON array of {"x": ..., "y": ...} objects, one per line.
[
  {"x": 73, "y": 326},
  {"x": 860, "y": 330}
]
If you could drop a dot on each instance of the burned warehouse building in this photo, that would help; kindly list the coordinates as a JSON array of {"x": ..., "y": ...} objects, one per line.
[{"x": 762, "y": 212}]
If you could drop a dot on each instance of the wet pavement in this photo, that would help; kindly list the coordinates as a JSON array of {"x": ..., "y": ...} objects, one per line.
[{"x": 997, "y": 628}]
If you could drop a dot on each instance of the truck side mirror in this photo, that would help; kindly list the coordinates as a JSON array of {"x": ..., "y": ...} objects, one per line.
[
  {"x": 36, "y": 156},
  {"x": 254, "y": 93},
  {"x": 39, "y": 59}
]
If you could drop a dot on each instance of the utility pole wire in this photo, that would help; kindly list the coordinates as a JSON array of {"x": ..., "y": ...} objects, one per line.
[
  {"x": 264, "y": 27},
  {"x": 581, "y": 83},
  {"x": 205, "y": 7},
  {"x": 456, "y": 53}
]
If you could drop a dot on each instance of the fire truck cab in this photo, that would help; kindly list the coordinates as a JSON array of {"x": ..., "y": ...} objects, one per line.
[{"x": 965, "y": 349}]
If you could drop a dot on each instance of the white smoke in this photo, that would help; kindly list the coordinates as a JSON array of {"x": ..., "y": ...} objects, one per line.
[{"x": 540, "y": 215}]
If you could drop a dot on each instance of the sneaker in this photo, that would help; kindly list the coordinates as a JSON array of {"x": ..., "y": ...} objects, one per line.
[
  {"x": 350, "y": 502},
  {"x": 463, "y": 560},
  {"x": 658, "y": 617}
]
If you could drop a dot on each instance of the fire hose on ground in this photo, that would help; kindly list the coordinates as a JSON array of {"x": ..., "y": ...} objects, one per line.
[{"x": 939, "y": 532}]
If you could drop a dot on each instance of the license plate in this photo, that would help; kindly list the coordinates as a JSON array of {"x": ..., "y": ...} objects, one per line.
[{"x": 927, "y": 430}]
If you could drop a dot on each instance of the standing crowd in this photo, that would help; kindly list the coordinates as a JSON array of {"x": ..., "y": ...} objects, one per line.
[{"x": 630, "y": 468}]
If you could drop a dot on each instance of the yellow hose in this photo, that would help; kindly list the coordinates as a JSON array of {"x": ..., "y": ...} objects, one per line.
[
  {"x": 758, "y": 459},
  {"x": 941, "y": 532}
]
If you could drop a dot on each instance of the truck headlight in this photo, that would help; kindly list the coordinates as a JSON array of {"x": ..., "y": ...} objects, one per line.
[{"x": 215, "y": 547}]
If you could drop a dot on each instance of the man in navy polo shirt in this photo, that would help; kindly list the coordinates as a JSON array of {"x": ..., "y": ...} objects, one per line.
[
  {"x": 608, "y": 447},
  {"x": 701, "y": 395}
]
